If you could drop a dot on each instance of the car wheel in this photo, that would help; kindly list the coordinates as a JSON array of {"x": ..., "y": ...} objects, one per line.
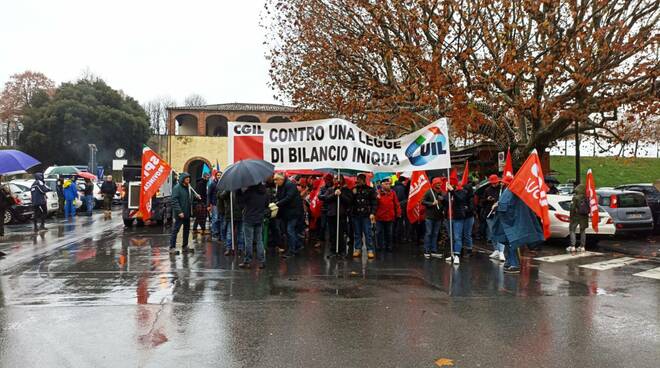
[
  {"x": 140, "y": 223},
  {"x": 9, "y": 217},
  {"x": 128, "y": 222}
]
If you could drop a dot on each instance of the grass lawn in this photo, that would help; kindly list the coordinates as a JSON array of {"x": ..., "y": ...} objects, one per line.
[{"x": 608, "y": 171}]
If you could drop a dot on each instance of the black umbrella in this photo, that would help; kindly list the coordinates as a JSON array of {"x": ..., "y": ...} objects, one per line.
[{"x": 245, "y": 173}]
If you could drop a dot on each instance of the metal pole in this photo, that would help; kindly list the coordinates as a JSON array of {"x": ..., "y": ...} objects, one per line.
[
  {"x": 577, "y": 153},
  {"x": 231, "y": 214},
  {"x": 338, "y": 204},
  {"x": 451, "y": 224}
]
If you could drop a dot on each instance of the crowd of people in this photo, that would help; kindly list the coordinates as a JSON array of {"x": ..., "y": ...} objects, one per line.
[{"x": 350, "y": 215}]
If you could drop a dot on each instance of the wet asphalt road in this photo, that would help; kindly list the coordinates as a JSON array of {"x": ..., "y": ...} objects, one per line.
[{"x": 90, "y": 294}]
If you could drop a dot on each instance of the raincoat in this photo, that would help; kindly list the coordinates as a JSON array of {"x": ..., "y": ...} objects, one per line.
[
  {"x": 70, "y": 190},
  {"x": 182, "y": 198},
  {"x": 514, "y": 223}
]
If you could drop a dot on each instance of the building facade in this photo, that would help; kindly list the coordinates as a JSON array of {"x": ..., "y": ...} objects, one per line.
[{"x": 197, "y": 135}]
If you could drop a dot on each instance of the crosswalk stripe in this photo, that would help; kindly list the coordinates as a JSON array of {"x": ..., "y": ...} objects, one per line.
[
  {"x": 566, "y": 257},
  {"x": 612, "y": 263},
  {"x": 653, "y": 273}
]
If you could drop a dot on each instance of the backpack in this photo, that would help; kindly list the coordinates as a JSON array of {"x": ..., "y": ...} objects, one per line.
[{"x": 583, "y": 208}]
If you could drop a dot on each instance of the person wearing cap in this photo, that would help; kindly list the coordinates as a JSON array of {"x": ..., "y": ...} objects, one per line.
[
  {"x": 363, "y": 216},
  {"x": 387, "y": 211},
  {"x": 337, "y": 215},
  {"x": 490, "y": 196},
  {"x": 462, "y": 215},
  {"x": 434, "y": 204}
]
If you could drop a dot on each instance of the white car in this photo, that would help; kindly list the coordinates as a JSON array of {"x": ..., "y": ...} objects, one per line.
[
  {"x": 560, "y": 210},
  {"x": 51, "y": 197}
]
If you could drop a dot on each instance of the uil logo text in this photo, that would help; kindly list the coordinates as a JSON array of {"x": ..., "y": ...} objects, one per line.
[{"x": 427, "y": 147}]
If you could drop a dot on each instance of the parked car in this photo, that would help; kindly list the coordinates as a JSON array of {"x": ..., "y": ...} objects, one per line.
[
  {"x": 98, "y": 196},
  {"x": 51, "y": 197},
  {"x": 628, "y": 209},
  {"x": 560, "y": 210},
  {"x": 22, "y": 210},
  {"x": 652, "y": 195}
]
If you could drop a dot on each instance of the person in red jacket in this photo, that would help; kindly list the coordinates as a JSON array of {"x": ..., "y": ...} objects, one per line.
[{"x": 387, "y": 211}]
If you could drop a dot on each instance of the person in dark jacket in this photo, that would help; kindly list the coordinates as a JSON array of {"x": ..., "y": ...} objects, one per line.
[
  {"x": 6, "y": 201},
  {"x": 401, "y": 224},
  {"x": 462, "y": 215},
  {"x": 108, "y": 189},
  {"x": 38, "y": 192},
  {"x": 201, "y": 206},
  {"x": 59, "y": 186},
  {"x": 182, "y": 202},
  {"x": 337, "y": 223},
  {"x": 434, "y": 208},
  {"x": 363, "y": 215},
  {"x": 255, "y": 208},
  {"x": 212, "y": 204},
  {"x": 387, "y": 211},
  {"x": 234, "y": 219},
  {"x": 489, "y": 197},
  {"x": 290, "y": 212},
  {"x": 88, "y": 196}
]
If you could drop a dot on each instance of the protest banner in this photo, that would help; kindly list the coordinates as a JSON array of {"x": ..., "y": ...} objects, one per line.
[{"x": 338, "y": 144}]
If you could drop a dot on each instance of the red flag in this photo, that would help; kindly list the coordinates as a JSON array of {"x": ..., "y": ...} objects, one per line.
[
  {"x": 419, "y": 185},
  {"x": 466, "y": 173},
  {"x": 154, "y": 173},
  {"x": 314, "y": 203},
  {"x": 593, "y": 200},
  {"x": 530, "y": 187},
  {"x": 452, "y": 176},
  {"x": 508, "y": 165}
]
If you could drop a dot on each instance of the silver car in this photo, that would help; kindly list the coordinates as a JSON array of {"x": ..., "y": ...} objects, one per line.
[{"x": 628, "y": 209}]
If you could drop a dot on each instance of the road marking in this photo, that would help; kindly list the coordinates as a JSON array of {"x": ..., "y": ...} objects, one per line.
[
  {"x": 566, "y": 257},
  {"x": 653, "y": 273},
  {"x": 612, "y": 263}
]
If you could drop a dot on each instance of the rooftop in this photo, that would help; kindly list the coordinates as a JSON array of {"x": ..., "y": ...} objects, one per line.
[{"x": 239, "y": 106}]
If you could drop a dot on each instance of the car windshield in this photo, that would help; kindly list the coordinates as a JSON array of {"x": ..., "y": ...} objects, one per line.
[
  {"x": 16, "y": 188},
  {"x": 628, "y": 200}
]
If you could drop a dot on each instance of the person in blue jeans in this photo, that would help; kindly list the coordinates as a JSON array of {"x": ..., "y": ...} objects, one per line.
[
  {"x": 89, "y": 196},
  {"x": 212, "y": 204},
  {"x": 234, "y": 234},
  {"x": 290, "y": 205},
  {"x": 255, "y": 203},
  {"x": 434, "y": 205},
  {"x": 462, "y": 216},
  {"x": 364, "y": 215}
]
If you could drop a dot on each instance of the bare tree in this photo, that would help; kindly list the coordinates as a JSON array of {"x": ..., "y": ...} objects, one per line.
[
  {"x": 157, "y": 111},
  {"x": 194, "y": 100}
]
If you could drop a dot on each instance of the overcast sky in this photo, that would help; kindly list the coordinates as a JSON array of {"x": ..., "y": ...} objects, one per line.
[{"x": 147, "y": 48}]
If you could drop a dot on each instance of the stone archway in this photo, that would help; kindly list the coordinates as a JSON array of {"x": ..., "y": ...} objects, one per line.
[
  {"x": 186, "y": 124},
  {"x": 216, "y": 126},
  {"x": 194, "y": 166}
]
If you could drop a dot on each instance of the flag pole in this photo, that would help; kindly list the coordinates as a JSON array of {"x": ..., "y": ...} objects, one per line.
[
  {"x": 451, "y": 224},
  {"x": 231, "y": 212},
  {"x": 338, "y": 204}
]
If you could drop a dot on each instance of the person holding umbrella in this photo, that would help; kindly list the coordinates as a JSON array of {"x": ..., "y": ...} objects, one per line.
[
  {"x": 38, "y": 191},
  {"x": 254, "y": 202}
]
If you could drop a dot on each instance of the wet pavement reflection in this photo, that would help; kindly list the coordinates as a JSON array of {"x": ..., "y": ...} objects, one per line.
[{"x": 100, "y": 295}]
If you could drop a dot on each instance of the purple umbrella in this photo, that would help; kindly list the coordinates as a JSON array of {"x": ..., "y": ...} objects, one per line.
[{"x": 15, "y": 162}]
